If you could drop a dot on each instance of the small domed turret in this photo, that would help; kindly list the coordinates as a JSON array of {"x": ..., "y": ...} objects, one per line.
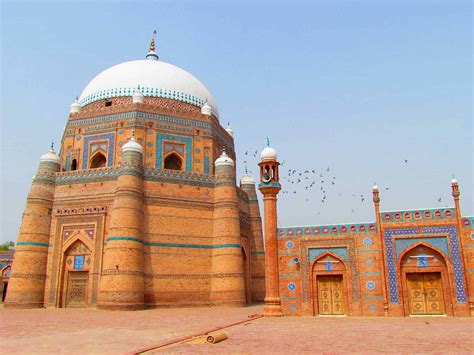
[
  {"x": 247, "y": 180},
  {"x": 223, "y": 160},
  {"x": 206, "y": 109},
  {"x": 50, "y": 156},
  {"x": 268, "y": 153},
  {"x": 132, "y": 146},
  {"x": 75, "y": 107},
  {"x": 229, "y": 130},
  {"x": 137, "y": 97}
]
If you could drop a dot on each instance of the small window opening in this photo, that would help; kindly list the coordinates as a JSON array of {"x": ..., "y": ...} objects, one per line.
[
  {"x": 98, "y": 161},
  {"x": 173, "y": 162},
  {"x": 74, "y": 164},
  {"x": 108, "y": 103}
]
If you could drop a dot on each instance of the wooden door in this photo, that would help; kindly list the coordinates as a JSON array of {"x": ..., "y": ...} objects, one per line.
[
  {"x": 76, "y": 289},
  {"x": 425, "y": 293},
  {"x": 330, "y": 295}
]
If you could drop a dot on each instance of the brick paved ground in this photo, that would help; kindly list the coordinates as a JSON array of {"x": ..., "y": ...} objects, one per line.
[{"x": 75, "y": 331}]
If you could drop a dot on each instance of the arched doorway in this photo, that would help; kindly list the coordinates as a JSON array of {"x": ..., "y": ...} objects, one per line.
[
  {"x": 98, "y": 161},
  {"x": 328, "y": 285},
  {"x": 77, "y": 260},
  {"x": 5, "y": 277},
  {"x": 173, "y": 162},
  {"x": 424, "y": 278}
]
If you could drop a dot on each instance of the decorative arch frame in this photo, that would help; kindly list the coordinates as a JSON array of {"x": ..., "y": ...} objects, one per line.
[
  {"x": 444, "y": 270},
  {"x": 346, "y": 276},
  {"x": 61, "y": 299}
]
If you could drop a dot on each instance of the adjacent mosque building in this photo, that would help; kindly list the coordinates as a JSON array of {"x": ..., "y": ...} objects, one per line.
[{"x": 140, "y": 209}]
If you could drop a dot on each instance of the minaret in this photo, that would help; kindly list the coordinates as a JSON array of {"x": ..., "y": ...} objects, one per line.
[
  {"x": 27, "y": 281},
  {"x": 227, "y": 283},
  {"x": 270, "y": 187},
  {"x": 376, "y": 200},
  {"x": 257, "y": 257},
  {"x": 457, "y": 209},
  {"x": 122, "y": 283}
]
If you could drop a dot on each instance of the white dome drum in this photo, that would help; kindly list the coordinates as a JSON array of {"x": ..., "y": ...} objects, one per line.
[{"x": 155, "y": 78}]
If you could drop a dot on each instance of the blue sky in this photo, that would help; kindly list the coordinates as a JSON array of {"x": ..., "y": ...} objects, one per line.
[{"x": 356, "y": 86}]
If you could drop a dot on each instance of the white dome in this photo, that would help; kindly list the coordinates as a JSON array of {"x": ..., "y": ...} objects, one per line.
[
  {"x": 224, "y": 159},
  {"x": 50, "y": 156},
  {"x": 75, "y": 107},
  {"x": 247, "y": 180},
  {"x": 156, "y": 78},
  {"x": 268, "y": 154},
  {"x": 132, "y": 146}
]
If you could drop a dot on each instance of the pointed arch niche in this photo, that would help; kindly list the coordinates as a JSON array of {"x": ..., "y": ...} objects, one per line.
[
  {"x": 173, "y": 162},
  {"x": 330, "y": 288},
  {"x": 425, "y": 281},
  {"x": 98, "y": 160},
  {"x": 77, "y": 261}
]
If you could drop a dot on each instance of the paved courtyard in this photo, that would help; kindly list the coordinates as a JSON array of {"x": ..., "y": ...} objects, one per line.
[{"x": 80, "y": 331}]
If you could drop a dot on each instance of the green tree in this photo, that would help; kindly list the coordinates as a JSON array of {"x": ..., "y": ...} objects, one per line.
[{"x": 7, "y": 246}]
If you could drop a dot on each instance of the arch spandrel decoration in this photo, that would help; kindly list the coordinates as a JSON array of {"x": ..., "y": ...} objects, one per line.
[
  {"x": 314, "y": 253},
  {"x": 186, "y": 142},
  {"x": 87, "y": 144}
]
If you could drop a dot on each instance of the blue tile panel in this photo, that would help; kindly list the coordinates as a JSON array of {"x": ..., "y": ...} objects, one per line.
[
  {"x": 68, "y": 163},
  {"x": 188, "y": 141},
  {"x": 391, "y": 256},
  {"x": 146, "y": 91},
  {"x": 207, "y": 165},
  {"x": 439, "y": 242},
  {"x": 314, "y": 253},
  {"x": 326, "y": 230},
  {"x": 111, "y": 147},
  {"x": 174, "y": 245},
  {"x": 419, "y": 215}
]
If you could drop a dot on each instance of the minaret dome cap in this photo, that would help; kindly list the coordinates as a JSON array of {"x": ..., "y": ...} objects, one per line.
[
  {"x": 51, "y": 157},
  {"x": 137, "y": 97},
  {"x": 206, "y": 109},
  {"x": 224, "y": 160},
  {"x": 75, "y": 107},
  {"x": 229, "y": 130},
  {"x": 247, "y": 180},
  {"x": 132, "y": 146}
]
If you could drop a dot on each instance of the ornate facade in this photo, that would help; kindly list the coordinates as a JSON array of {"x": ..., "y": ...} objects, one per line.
[
  {"x": 414, "y": 262},
  {"x": 134, "y": 213}
]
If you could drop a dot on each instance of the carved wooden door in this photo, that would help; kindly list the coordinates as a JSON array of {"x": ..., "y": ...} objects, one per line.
[
  {"x": 330, "y": 295},
  {"x": 76, "y": 289},
  {"x": 425, "y": 293}
]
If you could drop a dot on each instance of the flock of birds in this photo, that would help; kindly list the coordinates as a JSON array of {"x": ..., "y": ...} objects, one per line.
[{"x": 304, "y": 182}]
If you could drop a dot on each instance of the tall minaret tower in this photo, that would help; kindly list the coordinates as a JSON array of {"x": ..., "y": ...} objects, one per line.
[
  {"x": 227, "y": 283},
  {"x": 270, "y": 187},
  {"x": 122, "y": 282},
  {"x": 27, "y": 281}
]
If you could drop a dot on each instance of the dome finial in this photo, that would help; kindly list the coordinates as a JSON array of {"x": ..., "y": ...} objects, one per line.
[
  {"x": 52, "y": 145},
  {"x": 152, "y": 44},
  {"x": 151, "y": 52},
  {"x": 268, "y": 142}
]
